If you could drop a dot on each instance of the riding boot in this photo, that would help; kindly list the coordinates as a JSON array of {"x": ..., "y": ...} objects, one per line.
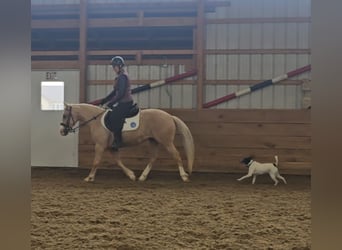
[{"x": 117, "y": 143}]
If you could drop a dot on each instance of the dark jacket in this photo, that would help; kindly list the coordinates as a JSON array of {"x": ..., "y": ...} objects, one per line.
[{"x": 121, "y": 91}]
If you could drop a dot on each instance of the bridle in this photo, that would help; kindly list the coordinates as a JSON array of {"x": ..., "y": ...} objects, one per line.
[{"x": 68, "y": 128}]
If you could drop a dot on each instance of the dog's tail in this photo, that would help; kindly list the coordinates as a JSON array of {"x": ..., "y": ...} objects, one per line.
[{"x": 276, "y": 160}]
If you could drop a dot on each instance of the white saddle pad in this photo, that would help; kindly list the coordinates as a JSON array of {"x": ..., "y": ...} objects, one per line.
[{"x": 130, "y": 124}]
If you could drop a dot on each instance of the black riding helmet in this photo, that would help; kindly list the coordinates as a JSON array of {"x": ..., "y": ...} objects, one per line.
[{"x": 117, "y": 61}]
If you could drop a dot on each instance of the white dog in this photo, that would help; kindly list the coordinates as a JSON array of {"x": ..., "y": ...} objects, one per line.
[{"x": 256, "y": 168}]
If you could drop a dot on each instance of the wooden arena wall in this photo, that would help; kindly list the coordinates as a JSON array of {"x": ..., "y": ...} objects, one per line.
[{"x": 223, "y": 137}]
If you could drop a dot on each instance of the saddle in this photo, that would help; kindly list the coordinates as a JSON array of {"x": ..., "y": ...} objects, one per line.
[
  {"x": 133, "y": 111},
  {"x": 132, "y": 119}
]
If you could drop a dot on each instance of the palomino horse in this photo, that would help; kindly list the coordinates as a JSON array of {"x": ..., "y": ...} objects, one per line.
[{"x": 156, "y": 126}]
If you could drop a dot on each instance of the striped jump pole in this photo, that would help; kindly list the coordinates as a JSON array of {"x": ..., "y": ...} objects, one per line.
[
  {"x": 156, "y": 84},
  {"x": 163, "y": 82},
  {"x": 257, "y": 86}
]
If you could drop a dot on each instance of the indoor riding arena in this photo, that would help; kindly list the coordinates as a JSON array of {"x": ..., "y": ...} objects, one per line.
[{"x": 236, "y": 72}]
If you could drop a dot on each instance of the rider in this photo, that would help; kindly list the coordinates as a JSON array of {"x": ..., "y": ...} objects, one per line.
[{"x": 119, "y": 100}]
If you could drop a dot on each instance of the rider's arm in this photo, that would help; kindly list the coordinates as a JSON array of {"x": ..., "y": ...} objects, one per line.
[
  {"x": 120, "y": 89},
  {"x": 108, "y": 97}
]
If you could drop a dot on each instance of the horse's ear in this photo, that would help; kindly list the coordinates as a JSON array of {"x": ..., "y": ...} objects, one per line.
[{"x": 65, "y": 105}]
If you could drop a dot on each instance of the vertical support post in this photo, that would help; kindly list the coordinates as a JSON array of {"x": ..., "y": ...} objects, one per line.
[
  {"x": 82, "y": 57},
  {"x": 139, "y": 58},
  {"x": 194, "y": 47},
  {"x": 200, "y": 23}
]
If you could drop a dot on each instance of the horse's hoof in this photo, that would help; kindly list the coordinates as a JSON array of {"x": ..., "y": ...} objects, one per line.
[
  {"x": 132, "y": 177},
  {"x": 89, "y": 179},
  {"x": 142, "y": 178},
  {"x": 185, "y": 178}
]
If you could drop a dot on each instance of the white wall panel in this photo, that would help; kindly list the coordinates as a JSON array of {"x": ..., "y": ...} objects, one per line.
[
  {"x": 267, "y": 67},
  {"x": 303, "y": 35},
  {"x": 165, "y": 96},
  {"x": 245, "y": 36},
  {"x": 176, "y": 93},
  {"x": 280, "y": 8},
  {"x": 257, "y": 9},
  {"x": 292, "y": 8},
  {"x": 233, "y": 36},
  {"x": 291, "y": 36},
  {"x": 134, "y": 1},
  {"x": 291, "y": 96},
  {"x": 256, "y": 69},
  {"x": 221, "y": 67},
  {"x": 233, "y": 67},
  {"x": 45, "y": 2},
  {"x": 211, "y": 36},
  {"x": 268, "y": 9},
  {"x": 267, "y": 97},
  {"x": 211, "y": 67},
  {"x": 187, "y": 98},
  {"x": 279, "y": 65},
  {"x": 268, "y": 36},
  {"x": 304, "y": 8},
  {"x": 257, "y": 36},
  {"x": 279, "y": 97},
  {"x": 280, "y": 36},
  {"x": 244, "y": 67},
  {"x": 133, "y": 72},
  {"x": 221, "y": 36},
  {"x": 245, "y": 8}
]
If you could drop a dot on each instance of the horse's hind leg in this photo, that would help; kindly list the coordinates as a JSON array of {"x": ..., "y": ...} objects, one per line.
[
  {"x": 97, "y": 160},
  {"x": 174, "y": 152},
  {"x": 154, "y": 150}
]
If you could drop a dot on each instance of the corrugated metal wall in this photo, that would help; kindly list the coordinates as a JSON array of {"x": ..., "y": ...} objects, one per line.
[
  {"x": 233, "y": 36},
  {"x": 127, "y": 1},
  {"x": 167, "y": 96},
  {"x": 55, "y": 1},
  {"x": 240, "y": 36},
  {"x": 100, "y": 1}
]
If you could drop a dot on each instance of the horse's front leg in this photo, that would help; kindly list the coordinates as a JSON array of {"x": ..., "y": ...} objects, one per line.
[
  {"x": 126, "y": 170},
  {"x": 97, "y": 160}
]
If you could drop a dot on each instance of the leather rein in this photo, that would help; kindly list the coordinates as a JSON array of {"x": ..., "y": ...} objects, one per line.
[{"x": 69, "y": 129}]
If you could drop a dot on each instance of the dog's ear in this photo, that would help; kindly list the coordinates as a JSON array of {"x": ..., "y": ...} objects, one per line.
[{"x": 245, "y": 160}]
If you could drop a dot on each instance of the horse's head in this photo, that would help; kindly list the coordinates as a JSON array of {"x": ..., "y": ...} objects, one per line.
[{"x": 68, "y": 121}]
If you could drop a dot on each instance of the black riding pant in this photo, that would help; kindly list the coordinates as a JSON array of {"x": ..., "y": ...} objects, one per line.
[{"x": 118, "y": 115}]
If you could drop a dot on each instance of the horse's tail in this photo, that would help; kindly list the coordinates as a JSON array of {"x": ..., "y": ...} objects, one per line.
[{"x": 188, "y": 141}]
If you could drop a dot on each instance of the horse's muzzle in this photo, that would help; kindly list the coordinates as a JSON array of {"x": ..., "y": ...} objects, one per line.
[{"x": 63, "y": 130}]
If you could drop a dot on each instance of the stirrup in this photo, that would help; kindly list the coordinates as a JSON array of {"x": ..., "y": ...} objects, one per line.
[{"x": 115, "y": 146}]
